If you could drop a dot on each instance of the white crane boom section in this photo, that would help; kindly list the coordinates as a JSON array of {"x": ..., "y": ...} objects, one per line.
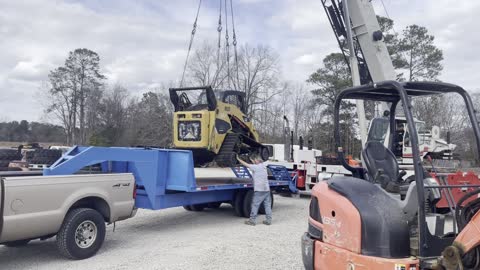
[{"x": 367, "y": 30}]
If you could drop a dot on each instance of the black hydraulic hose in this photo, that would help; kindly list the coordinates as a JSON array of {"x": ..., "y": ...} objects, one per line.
[
  {"x": 463, "y": 215},
  {"x": 460, "y": 211}
]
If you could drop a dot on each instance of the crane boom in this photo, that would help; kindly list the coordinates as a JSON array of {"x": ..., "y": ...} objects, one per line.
[
  {"x": 372, "y": 55},
  {"x": 359, "y": 36},
  {"x": 370, "y": 38}
]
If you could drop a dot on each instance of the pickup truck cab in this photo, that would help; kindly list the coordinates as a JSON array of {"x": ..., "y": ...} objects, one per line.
[{"x": 75, "y": 208}]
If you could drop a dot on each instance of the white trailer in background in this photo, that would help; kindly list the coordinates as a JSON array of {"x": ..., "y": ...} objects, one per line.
[{"x": 306, "y": 164}]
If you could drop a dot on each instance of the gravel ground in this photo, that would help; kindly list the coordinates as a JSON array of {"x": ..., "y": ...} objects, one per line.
[{"x": 178, "y": 239}]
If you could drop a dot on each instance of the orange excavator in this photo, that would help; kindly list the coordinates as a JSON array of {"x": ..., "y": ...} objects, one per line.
[{"x": 375, "y": 220}]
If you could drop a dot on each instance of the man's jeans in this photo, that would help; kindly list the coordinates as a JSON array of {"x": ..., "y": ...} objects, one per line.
[{"x": 258, "y": 198}]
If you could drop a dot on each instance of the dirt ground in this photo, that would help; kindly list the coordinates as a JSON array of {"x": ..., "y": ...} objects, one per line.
[{"x": 178, "y": 239}]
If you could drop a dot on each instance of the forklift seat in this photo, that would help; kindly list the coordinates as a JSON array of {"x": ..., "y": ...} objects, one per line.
[{"x": 381, "y": 165}]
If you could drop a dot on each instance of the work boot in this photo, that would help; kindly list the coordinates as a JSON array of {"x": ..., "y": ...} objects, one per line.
[
  {"x": 267, "y": 222},
  {"x": 249, "y": 222}
]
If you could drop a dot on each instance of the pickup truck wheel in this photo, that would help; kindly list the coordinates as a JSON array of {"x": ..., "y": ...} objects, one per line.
[
  {"x": 82, "y": 233},
  {"x": 18, "y": 243}
]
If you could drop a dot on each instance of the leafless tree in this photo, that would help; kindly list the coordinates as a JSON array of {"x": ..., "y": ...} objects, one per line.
[
  {"x": 70, "y": 87},
  {"x": 258, "y": 75},
  {"x": 208, "y": 67},
  {"x": 256, "y": 67}
]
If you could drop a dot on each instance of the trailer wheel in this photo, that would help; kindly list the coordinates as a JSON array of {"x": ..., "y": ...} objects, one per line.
[
  {"x": 261, "y": 210},
  {"x": 197, "y": 207},
  {"x": 214, "y": 205},
  {"x": 247, "y": 203},
  {"x": 238, "y": 203},
  {"x": 82, "y": 233},
  {"x": 18, "y": 243}
]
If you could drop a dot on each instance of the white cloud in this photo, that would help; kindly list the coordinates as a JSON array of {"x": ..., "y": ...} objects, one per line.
[{"x": 142, "y": 44}]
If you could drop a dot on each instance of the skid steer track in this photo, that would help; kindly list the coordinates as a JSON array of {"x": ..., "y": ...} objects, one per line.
[{"x": 227, "y": 155}]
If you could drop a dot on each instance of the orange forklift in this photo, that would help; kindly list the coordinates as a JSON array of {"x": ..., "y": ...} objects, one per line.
[{"x": 375, "y": 220}]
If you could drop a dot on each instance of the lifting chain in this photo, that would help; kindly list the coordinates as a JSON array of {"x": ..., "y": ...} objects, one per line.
[
  {"x": 227, "y": 45},
  {"x": 219, "y": 29},
  {"x": 191, "y": 42},
  {"x": 235, "y": 46},
  {"x": 219, "y": 45}
]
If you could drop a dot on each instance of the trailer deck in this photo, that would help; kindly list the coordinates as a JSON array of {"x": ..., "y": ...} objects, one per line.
[{"x": 166, "y": 177}]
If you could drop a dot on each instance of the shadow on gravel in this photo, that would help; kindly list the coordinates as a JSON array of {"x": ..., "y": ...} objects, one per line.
[
  {"x": 36, "y": 251},
  {"x": 184, "y": 221},
  {"x": 147, "y": 224}
]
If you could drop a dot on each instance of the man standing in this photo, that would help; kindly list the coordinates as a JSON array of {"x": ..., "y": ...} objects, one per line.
[{"x": 261, "y": 188}]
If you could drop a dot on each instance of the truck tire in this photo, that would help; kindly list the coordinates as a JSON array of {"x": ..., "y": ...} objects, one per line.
[
  {"x": 238, "y": 203},
  {"x": 187, "y": 207},
  {"x": 10, "y": 154},
  {"x": 82, "y": 233},
  {"x": 49, "y": 153},
  {"x": 214, "y": 205},
  {"x": 18, "y": 243},
  {"x": 198, "y": 207},
  {"x": 44, "y": 156},
  {"x": 4, "y": 163},
  {"x": 261, "y": 210},
  {"x": 247, "y": 203}
]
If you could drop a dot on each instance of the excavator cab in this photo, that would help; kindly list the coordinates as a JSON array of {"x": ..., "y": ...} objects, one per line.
[{"x": 375, "y": 219}]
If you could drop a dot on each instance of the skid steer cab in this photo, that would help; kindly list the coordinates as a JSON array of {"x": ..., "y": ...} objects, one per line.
[
  {"x": 377, "y": 221},
  {"x": 214, "y": 125}
]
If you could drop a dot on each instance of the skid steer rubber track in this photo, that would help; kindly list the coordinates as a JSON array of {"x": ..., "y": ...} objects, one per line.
[{"x": 227, "y": 156}]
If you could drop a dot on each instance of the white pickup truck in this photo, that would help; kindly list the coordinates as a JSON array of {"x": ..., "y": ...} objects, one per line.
[{"x": 75, "y": 208}]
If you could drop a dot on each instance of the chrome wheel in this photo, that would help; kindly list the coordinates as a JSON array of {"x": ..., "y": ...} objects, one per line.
[{"x": 86, "y": 234}]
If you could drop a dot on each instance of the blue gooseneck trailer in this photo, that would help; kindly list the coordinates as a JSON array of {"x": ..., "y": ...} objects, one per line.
[{"x": 167, "y": 178}]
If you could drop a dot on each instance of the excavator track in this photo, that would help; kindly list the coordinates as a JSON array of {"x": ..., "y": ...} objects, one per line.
[{"x": 226, "y": 157}]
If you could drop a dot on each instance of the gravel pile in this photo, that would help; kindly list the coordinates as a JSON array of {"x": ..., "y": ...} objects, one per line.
[{"x": 178, "y": 239}]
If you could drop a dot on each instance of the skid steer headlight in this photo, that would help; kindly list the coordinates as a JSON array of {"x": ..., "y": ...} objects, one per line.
[
  {"x": 189, "y": 131},
  {"x": 197, "y": 115}
]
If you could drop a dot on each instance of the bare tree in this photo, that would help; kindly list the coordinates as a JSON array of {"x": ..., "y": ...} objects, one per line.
[
  {"x": 257, "y": 70},
  {"x": 257, "y": 75},
  {"x": 71, "y": 85},
  {"x": 150, "y": 120},
  {"x": 208, "y": 67}
]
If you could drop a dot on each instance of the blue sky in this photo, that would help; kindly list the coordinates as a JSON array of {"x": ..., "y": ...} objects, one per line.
[{"x": 142, "y": 44}]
